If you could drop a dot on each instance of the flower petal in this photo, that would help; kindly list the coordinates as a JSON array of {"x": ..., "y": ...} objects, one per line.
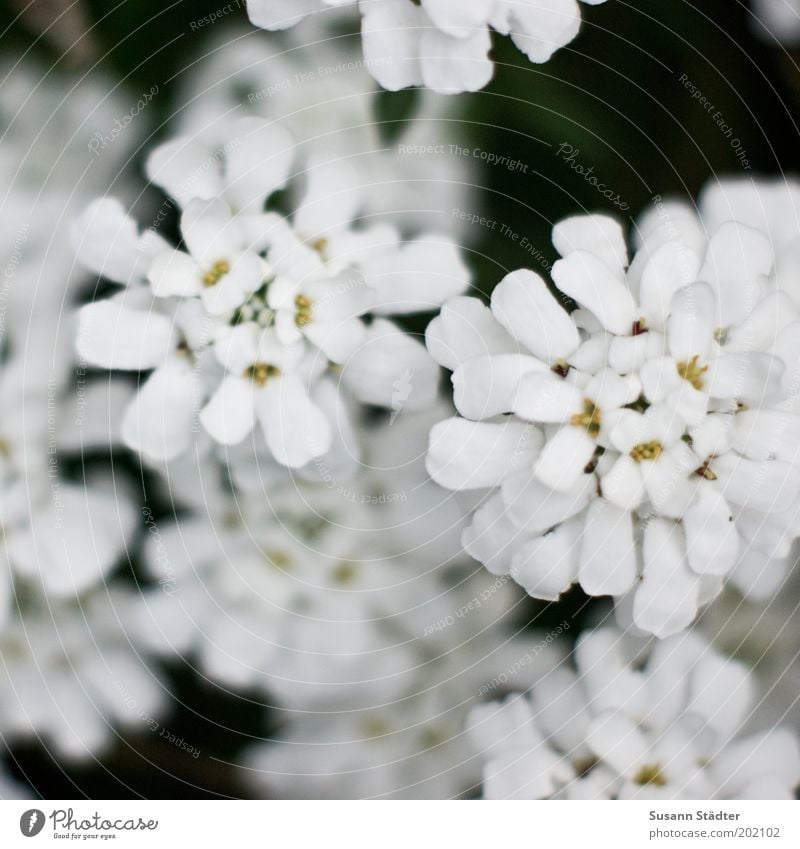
[
  {"x": 486, "y": 386},
  {"x": 230, "y": 414},
  {"x": 294, "y": 426},
  {"x": 608, "y": 554},
  {"x": 473, "y": 455},
  {"x": 522, "y": 303}
]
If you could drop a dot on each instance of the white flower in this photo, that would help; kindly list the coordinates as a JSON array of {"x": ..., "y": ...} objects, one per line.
[
  {"x": 441, "y": 44},
  {"x": 612, "y": 730},
  {"x": 309, "y": 282},
  {"x": 656, "y": 417},
  {"x": 265, "y": 382},
  {"x": 219, "y": 267}
]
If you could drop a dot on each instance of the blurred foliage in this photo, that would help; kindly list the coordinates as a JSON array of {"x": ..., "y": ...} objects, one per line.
[{"x": 620, "y": 95}]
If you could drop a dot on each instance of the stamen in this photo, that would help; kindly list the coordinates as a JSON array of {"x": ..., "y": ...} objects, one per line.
[
  {"x": 646, "y": 451},
  {"x": 692, "y": 372},
  {"x": 303, "y": 315},
  {"x": 217, "y": 271},
  {"x": 589, "y": 418},
  {"x": 650, "y": 774},
  {"x": 260, "y": 373}
]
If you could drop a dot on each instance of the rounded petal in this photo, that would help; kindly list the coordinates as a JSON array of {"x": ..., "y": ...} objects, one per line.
[
  {"x": 608, "y": 553},
  {"x": 185, "y": 169},
  {"x": 117, "y": 337},
  {"x": 473, "y": 455},
  {"x": 586, "y": 278},
  {"x": 486, "y": 386},
  {"x": 230, "y": 414},
  {"x": 295, "y": 428},
  {"x": 522, "y": 303},
  {"x": 601, "y": 235}
]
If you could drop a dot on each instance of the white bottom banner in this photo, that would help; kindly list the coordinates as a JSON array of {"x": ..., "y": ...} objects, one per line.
[{"x": 400, "y": 825}]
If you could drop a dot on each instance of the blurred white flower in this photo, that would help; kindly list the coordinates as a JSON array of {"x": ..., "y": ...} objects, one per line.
[
  {"x": 777, "y": 19},
  {"x": 612, "y": 728},
  {"x": 441, "y": 44},
  {"x": 70, "y": 677},
  {"x": 302, "y": 287}
]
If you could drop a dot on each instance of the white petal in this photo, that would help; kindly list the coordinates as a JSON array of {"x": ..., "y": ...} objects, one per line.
[
  {"x": 564, "y": 458},
  {"x": 458, "y": 19},
  {"x": 712, "y": 543},
  {"x": 117, "y": 337},
  {"x": 452, "y": 65},
  {"x": 107, "y": 241},
  {"x": 473, "y": 455},
  {"x": 390, "y": 35},
  {"x": 608, "y": 554},
  {"x": 295, "y": 428},
  {"x": 543, "y": 397},
  {"x": 618, "y": 742},
  {"x": 258, "y": 160},
  {"x": 547, "y": 566},
  {"x": 769, "y": 487},
  {"x": 534, "y": 507},
  {"x": 763, "y": 434},
  {"x": 601, "y": 235},
  {"x": 210, "y": 233},
  {"x": 667, "y": 599},
  {"x": 159, "y": 422},
  {"x": 694, "y": 316},
  {"x": 338, "y": 340},
  {"x": 659, "y": 377},
  {"x": 490, "y": 537},
  {"x": 623, "y": 484},
  {"x": 758, "y": 576},
  {"x": 392, "y": 369},
  {"x": 281, "y": 14},
  {"x": 522, "y": 303},
  {"x": 420, "y": 276},
  {"x": 588, "y": 280},
  {"x": 185, "y": 169},
  {"x": 773, "y": 753},
  {"x": 737, "y": 259},
  {"x": 539, "y": 29},
  {"x": 175, "y": 274},
  {"x": 671, "y": 267},
  {"x": 230, "y": 414},
  {"x": 236, "y": 347},
  {"x": 245, "y": 276},
  {"x": 331, "y": 201},
  {"x": 486, "y": 386},
  {"x": 466, "y": 328}
]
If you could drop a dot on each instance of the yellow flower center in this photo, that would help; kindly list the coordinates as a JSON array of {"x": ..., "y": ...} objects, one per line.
[
  {"x": 646, "y": 451},
  {"x": 344, "y": 573},
  {"x": 260, "y": 373},
  {"x": 321, "y": 247},
  {"x": 303, "y": 311},
  {"x": 278, "y": 558},
  {"x": 692, "y": 372},
  {"x": 217, "y": 271},
  {"x": 589, "y": 418},
  {"x": 650, "y": 774}
]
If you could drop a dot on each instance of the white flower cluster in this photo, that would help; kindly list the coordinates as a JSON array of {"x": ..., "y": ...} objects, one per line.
[
  {"x": 67, "y": 657},
  {"x": 258, "y": 312},
  {"x": 441, "y": 44},
  {"x": 615, "y": 728},
  {"x": 645, "y": 444}
]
